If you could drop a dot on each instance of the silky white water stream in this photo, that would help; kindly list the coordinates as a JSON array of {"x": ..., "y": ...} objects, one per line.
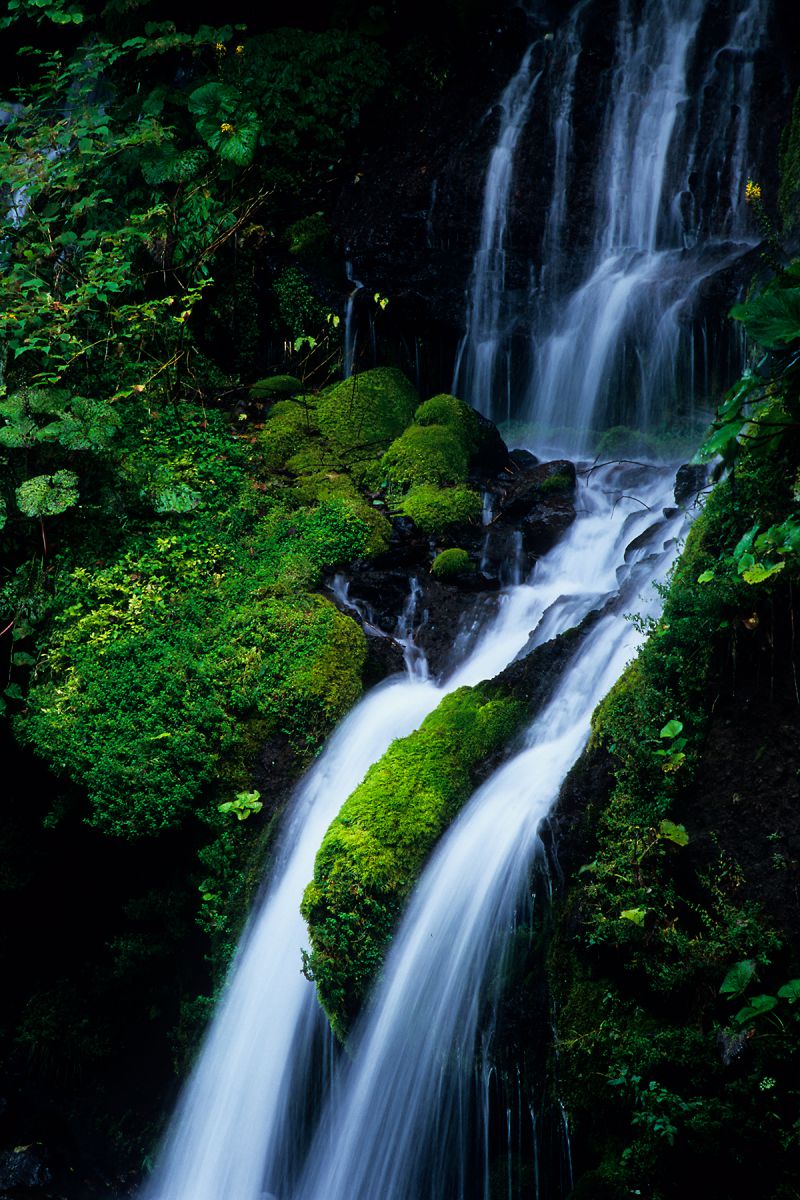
[
  {"x": 397, "y": 1126},
  {"x": 229, "y": 1132}
]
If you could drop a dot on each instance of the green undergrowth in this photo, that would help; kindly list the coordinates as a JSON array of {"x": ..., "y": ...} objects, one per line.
[
  {"x": 374, "y": 850},
  {"x": 167, "y": 651},
  {"x": 663, "y": 905}
]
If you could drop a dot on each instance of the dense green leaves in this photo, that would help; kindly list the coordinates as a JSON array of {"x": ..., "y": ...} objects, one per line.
[{"x": 48, "y": 495}]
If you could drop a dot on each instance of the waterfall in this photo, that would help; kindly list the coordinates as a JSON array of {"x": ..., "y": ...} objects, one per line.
[
  {"x": 613, "y": 342},
  {"x": 350, "y": 325},
  {"x": 232, "y": 1134},
  {"x": 476, "y": 363},
  {"x": 598, "y": 338},
  {"x": 397, "y": 1125}
]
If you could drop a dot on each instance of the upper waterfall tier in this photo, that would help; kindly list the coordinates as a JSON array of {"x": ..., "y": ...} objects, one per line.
[{"x": 599, "y": 334}]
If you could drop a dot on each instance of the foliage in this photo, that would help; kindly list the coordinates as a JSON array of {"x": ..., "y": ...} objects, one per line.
[
  {"x": 375, "y": 848},
  {"x": 48, "y": 495}
]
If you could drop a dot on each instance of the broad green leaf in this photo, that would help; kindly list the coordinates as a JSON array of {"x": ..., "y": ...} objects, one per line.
[
  {"x": 745, "y": 544},
  {"x": 706, "y": 577},
  {"x": 738, "y": 978},
  {"x": 773, "y": 318},
  {"x": 48, "y": 495},
  {"x": 636, "y": 915},
  {"x": 671, "y": 729},
  {"x": 761, "y": 571},
  {"x": 720, "y": 440},
  {"x": 674, "y": 833},
  {"x": 758, "y": 1006},
  {"x": 790, "y": 991}
]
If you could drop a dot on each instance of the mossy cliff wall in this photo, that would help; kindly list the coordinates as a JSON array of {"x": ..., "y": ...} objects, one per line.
[{"x": 675, "y": 955}]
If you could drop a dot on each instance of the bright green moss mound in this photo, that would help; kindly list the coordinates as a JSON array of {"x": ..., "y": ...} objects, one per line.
[
  {"x": 426, "y": 454},
  {"x": 276, "y": 385},
  {"x": 151, "y": 685},
  {"x": 360, "y": 416},
  {"x": 331, "y": 485},
  {"x": 375, "y": 848},
  {"x": 459, "y": 416},
  {"x": 451, "y": 562},
  {"x": 291, "y": 427},
  {"x": 433, "y": 508}
]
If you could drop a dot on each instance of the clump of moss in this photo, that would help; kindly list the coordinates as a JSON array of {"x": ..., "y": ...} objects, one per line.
[
  {"x": 459, "y": 416},
  {"x": 363, "y": 414},
  {"x": 426, "y": 454},
  {"x": 331, "y": 484},
  {"x": 276, "y": 385},
  {"x": 375, "y": 848},
  {"x": 451, "y": 562},
  {"x": 291, "y": 425},
  {"x": 433, "y": 508}
]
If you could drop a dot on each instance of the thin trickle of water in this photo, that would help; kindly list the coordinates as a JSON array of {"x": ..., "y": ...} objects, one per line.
[
  {"x": 415, "y": 661},
  {"x": 476, "y": 362},
  {"x": 350, "y": 328}
]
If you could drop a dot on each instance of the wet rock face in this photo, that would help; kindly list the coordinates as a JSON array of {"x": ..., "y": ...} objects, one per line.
[
  {"x": 395, "y": 596},
  {"x": 690, "y": 479},
  {"x": 22, "y": 1170}
]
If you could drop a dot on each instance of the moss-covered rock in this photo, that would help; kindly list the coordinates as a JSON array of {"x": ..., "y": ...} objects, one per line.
[
  {"x": 426, "y": 454},
  {"x": 434, "y": 508},
  {"x": 276, "y": 385},
  {"x": 375, "y": 848},
  {"x": 290, "y": 427},
  {"x": 363, "y": 414},
  {"x": 451, "y": 562},
  {"x": 444, "y": 409},
  {"x": 331, "y": 484}
]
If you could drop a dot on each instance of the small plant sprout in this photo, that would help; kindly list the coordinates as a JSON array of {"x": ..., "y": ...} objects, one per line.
[{"x": 245, "y": 804}]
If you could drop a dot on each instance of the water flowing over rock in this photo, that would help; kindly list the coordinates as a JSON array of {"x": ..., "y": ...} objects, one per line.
[{"x": 611, "y": 202}]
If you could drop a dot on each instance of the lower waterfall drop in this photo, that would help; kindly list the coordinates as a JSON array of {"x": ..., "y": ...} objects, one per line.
[{"x": 400, "y": 1123}]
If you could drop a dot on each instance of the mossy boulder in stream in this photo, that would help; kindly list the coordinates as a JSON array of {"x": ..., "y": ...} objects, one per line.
[
  {"x": 375, "y": 849},
  {"x": 363, "y": 414}
]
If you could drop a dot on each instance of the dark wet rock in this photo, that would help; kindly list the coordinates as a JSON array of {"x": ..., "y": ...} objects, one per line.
[
  {"x": 523, "y": 460},
  {"x": 492, "y": 455},
  {"x": 545, "y": 523},
  {"x": 690, "y": 479},
  {"x": 533, "y": 483},
  {"x": 384, "y": 657},
  {"x": 23, "y": 1170}
]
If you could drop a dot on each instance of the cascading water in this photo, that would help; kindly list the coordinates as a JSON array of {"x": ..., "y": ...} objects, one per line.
[
  {"x": 232, "y": 1135},
  {"x": 398, "y": 1125},
  {"x": 604, "y": 339},
  {"x": 477, "y": 356},
  {"x": 613, "y": 343}
]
